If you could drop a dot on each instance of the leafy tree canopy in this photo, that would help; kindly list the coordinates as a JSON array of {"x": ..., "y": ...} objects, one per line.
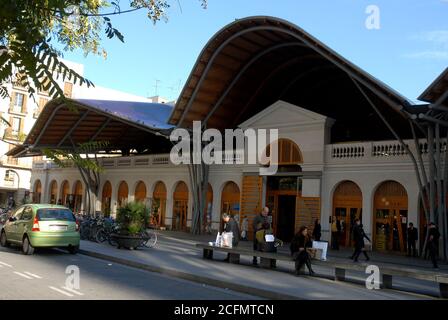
[{"x": 31, "y": 29}]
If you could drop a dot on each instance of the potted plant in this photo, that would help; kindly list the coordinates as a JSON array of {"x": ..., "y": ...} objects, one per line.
[{"x": 132, "y": 219}]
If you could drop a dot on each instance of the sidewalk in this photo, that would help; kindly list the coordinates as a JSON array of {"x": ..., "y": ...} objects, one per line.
[
  {"x": 343, "y": 253},
  {"x": 175, "y": 255}
]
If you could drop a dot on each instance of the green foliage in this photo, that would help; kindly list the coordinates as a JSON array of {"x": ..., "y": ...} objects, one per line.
[
  {"x": 132, "y": 217},
  {"x": 63, "y": 158},
  {"x": 30, "y": 30}
]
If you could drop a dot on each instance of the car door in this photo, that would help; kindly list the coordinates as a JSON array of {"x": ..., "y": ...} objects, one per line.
[
  {"x": 23, "y": 222},
  {"x": 11, "y": 226}
]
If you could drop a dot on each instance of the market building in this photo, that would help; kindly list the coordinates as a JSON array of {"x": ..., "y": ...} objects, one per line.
[{"x": 337, "y": 157}]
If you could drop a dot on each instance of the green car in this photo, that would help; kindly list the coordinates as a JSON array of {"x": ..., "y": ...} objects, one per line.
[{"x": 41, "y": 225}]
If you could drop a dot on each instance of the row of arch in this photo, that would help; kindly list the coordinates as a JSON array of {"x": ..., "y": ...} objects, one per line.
[
  {"x": 390, "y": 214},
  {"x": 230, "y": 199}
]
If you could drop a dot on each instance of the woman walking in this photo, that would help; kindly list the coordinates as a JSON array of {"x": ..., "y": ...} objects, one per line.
[{"x": 298, "y": 248}]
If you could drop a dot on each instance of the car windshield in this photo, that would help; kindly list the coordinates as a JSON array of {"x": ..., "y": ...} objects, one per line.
[{"x": 55, "y": 214}]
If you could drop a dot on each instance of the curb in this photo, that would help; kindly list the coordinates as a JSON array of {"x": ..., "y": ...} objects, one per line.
[{"x": 271, "y": 295}]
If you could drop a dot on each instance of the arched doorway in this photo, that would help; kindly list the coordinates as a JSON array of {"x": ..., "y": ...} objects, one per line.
[
  {"x": 159, "y": 204},
  {"x": 37, "y": 191},
  {"x": 106, "y": 197},
  {"x": 65, "y": 191},
  {"x": 347, "y": 207},
  {"x": 77, "y": 197},
  {"x": 284, "y": 191},
  {"x": 123, "y": 192},
  {"x": 180, "y": 207},
  {"x": 230, "y": 199},
  {"x": 140, "y": 192},
  {"x": 53, "y": 192},
  {"x": 390, "y": 217}
]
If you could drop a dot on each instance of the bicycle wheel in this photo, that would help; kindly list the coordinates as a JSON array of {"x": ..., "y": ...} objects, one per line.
[
  {"x": 84, "y": 234},
  {"x": 112, "y": 241},
  {"x": 101, "y": 236},
  {"x": 152, "y": 239}
]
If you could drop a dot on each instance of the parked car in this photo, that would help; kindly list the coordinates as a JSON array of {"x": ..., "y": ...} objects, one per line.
[{"x": 41, "y": 225}]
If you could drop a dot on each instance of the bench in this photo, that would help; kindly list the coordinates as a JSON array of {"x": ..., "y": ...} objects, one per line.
[{"x": 340, "y": 266}]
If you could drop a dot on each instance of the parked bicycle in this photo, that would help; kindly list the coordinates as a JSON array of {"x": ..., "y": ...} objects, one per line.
[{"x": 149, "y": 238}]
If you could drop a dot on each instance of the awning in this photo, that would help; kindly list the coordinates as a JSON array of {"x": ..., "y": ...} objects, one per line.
[
  {"x": 125, "y": 126},
  {"x": 254, "y": 62}
]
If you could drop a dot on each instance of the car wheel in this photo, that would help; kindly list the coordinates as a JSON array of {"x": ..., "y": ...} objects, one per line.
[
  {"x": 3, "y": 240},
  {"x": 73, "y": 249},
  {"x": 27, "y": 248}
]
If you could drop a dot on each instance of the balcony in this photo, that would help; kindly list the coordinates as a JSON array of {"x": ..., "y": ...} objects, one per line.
[{"x": 374, "y": 152}]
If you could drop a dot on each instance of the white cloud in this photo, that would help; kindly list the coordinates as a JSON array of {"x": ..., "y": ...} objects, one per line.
[
  {"x": 437, "y": 40},
  {"x": 436, "y": 55}
]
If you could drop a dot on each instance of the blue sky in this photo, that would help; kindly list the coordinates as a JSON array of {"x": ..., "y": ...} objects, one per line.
[{"x": 408, "y": 51}]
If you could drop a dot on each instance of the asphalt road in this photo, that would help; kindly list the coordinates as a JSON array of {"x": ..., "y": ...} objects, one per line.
[{"x": 43, "y": 276}]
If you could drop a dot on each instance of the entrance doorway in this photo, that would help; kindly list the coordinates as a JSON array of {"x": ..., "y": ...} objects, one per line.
[
  {"x": 390, "y": 217},
  {"x": 347, "y": 207},
  {"x": 180, "y": 207},
  {"x": 282, "y": 196},
  {"x": 286, "y": 217}
]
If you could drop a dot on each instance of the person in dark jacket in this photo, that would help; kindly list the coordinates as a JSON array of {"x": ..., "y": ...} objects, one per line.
[
  {"x": 317, "y": 231},
  {"x": 230, "y": 225},
  {"x": 299, "y": 244},
  {"x": 412, "y": 239},
  {"x": 358, "y": 237},
  {"x": 258, "y": 221},
  {"x": 433, "y": 244}
]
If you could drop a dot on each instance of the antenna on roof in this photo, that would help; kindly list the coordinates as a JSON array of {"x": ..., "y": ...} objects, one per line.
[{"x": 156, "y": 86}]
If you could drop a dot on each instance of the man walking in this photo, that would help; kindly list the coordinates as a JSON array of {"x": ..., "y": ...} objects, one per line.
[
  {"x": 358, "y": 236},
  {"x": 412, "y": 240},
  {"x": 260, "y": 219},
  {"x": 433, "y": 244}
]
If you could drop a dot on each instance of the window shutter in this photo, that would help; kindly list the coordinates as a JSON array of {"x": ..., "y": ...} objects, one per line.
[
  {"x": 68, "y": 89},
  {"x": 13, "y": 100},
  {"x": 21, "y": 123},
  {"x": 24, "y": 104}
]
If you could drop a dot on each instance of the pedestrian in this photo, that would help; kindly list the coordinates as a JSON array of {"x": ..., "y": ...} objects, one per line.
[
  {"x": 299, "y": 245},
  {"x": 11, "y": 203},
  {"x": 266, "y": 241},
  {"x": 433, "y": 244},
  {"x": 230, "y": 225},
  {"x": 260, "y": 219},
  {"x": 335, "y": 233},
  {"x": 317, "y": 231},
  {"x": 358, "y": 237},
  {"x": 412, "y": 240}
]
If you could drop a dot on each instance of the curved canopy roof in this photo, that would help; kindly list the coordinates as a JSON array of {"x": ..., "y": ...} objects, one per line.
[
  {"x": 64, "y": 124},
  {"x": 254, "y": 62},
  {"x": 437, "y": 92}
]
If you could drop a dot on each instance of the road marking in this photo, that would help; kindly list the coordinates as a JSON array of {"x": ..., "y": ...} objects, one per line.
[
  {"x": 61, "y": 291},
  {"x": 73, "y": 290},
  {"x": 23, "y": 275},
  {"x": 33, "y": 275},
  {"x": 5, "y": 264}
]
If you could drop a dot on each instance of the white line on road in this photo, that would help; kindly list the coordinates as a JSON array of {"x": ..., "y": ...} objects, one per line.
[
  {"x": 73, "y": 290},
  {"x": 33, "y": 275},
  {"x": 23, "y": 275},
  {"x": 5, "y": 264},
  {"x": 61, "y": 291}
]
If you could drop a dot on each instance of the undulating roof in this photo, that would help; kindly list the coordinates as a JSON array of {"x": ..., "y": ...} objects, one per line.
[
  {"x": 64, "y": 124},
  {"x": 254, "y": 62},
  {"x": 437, "y": 89}
]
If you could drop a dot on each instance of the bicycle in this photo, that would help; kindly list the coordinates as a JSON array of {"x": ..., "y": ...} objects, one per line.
[{"x": 149, "y": 238}]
